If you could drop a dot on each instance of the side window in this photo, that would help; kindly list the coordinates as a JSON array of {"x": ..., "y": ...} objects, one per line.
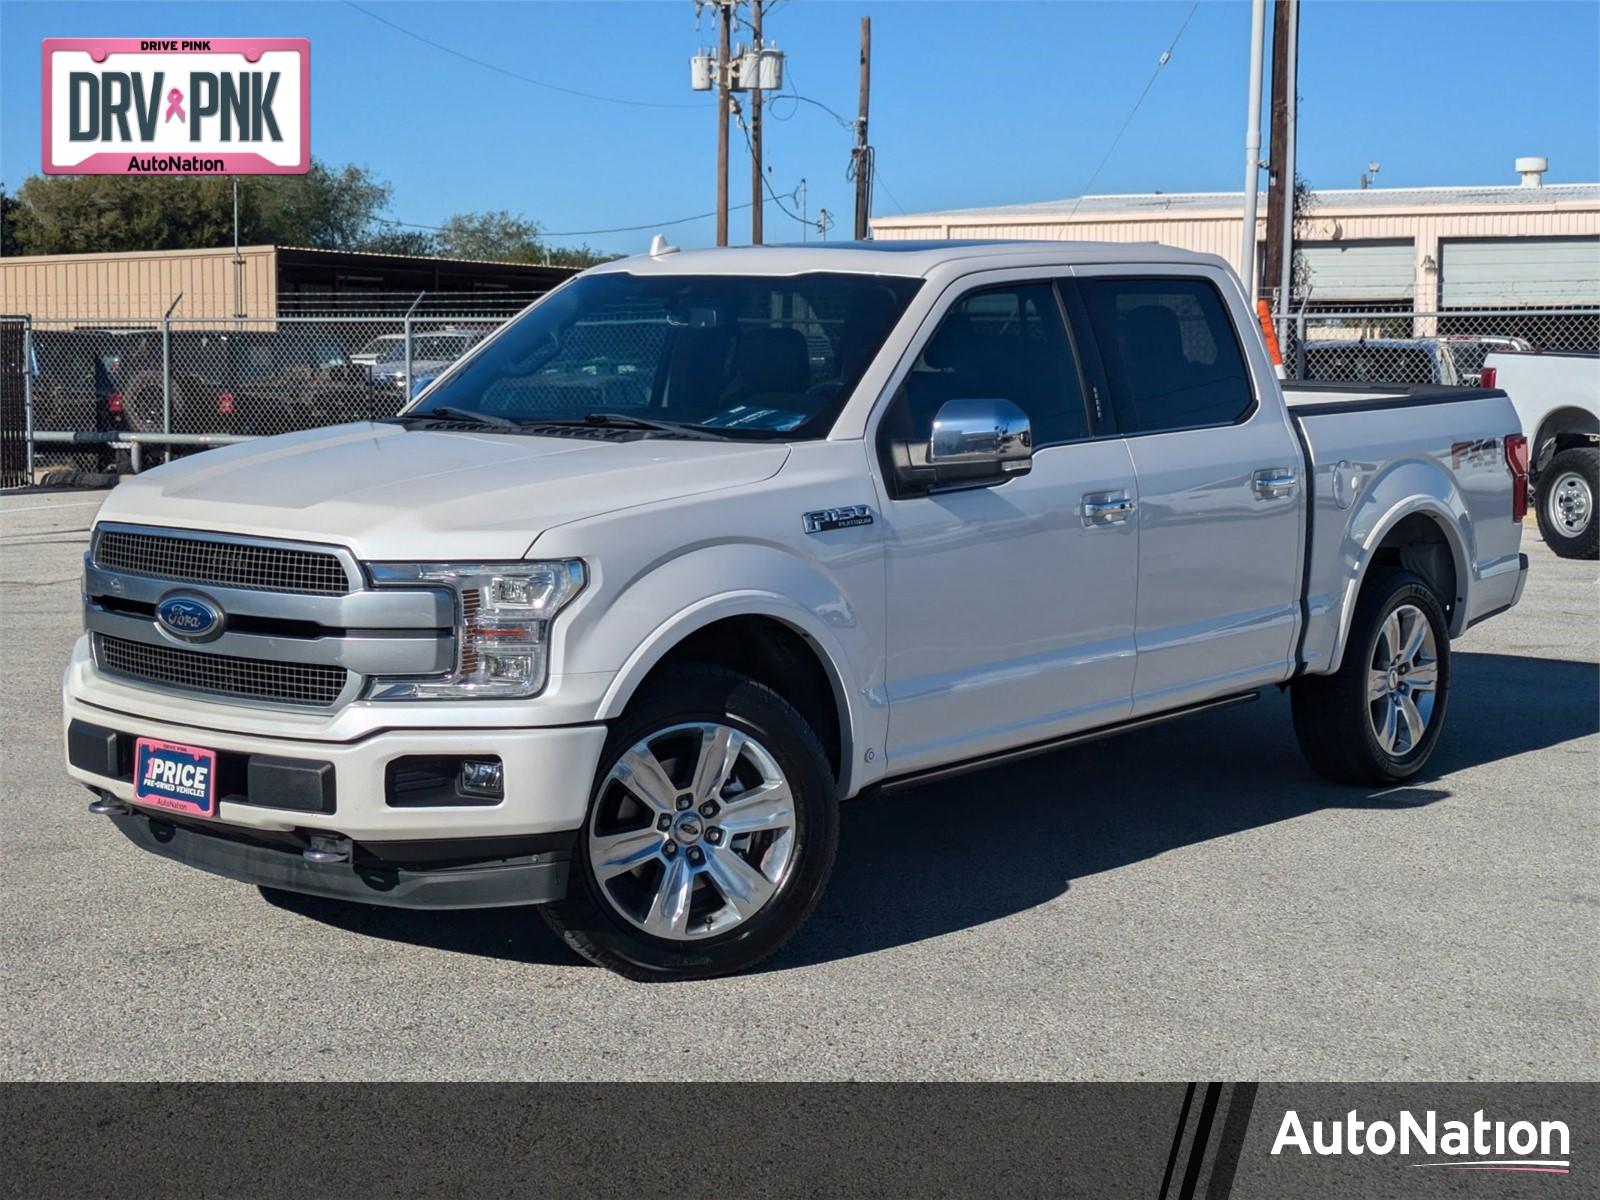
[
  {"x": 1170, "y": 353},
  {"x": 1004, "y": 343}
]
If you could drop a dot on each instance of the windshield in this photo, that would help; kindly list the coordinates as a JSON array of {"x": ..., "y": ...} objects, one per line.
[{"x": 754, "y": 356}]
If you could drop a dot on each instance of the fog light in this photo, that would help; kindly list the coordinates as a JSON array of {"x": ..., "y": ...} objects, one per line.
[{"x": 481, "y": 777}]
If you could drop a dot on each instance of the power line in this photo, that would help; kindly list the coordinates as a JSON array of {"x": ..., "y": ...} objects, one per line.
[
  {"x": 790, "y": 92},
  {"x": 772, "y": 196},
  {"x": 878, "y": 180},
  {"x": 1161, "y": 63},
  {"x": 589, "y": 232},
  {"x": 489, "y": 66}
]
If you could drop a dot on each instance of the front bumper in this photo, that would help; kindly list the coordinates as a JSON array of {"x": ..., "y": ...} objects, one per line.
[
  {"x": 525, "y": 879},
  {"x": 547, "y": 777}
]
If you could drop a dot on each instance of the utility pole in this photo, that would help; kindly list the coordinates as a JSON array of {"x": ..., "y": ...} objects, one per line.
[
  {"x": 724, "y": 69},
  {"x": 1252, "y": 147},
  {"x": 1291, "y": 121},
  {"x": 756, "y": 205},
  {"x": 1279, "y": 116},
  {"x": 863, "y": 152},
  {"x": 1280, "y": 171}
]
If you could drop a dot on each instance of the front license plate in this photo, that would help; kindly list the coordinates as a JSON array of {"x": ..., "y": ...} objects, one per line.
[{"x": 178, "y": 779}]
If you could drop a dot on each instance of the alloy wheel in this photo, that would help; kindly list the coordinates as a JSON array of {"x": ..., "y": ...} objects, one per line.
[
  {"x": 693, "y": 831},
  {"x": 1403, "y": 680}
]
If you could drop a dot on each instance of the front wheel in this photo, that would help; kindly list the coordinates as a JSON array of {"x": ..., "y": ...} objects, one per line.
[
  {"x": 1567, "y": 489},
  {"x": 710, "y": 833},
  {"x": 1376, "y": 720}
]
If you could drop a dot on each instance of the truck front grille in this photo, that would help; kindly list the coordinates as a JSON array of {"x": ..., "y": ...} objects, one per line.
[
  {"x": 308, "y": 684},
  {"x": 222, "y": 562}
]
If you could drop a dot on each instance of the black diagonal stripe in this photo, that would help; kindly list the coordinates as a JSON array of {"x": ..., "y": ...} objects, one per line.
[
  {"x": 1202, "y": 1135},
  {"x": 1241, "y": 1102},
  {"x": 1177, "y": 1140}
]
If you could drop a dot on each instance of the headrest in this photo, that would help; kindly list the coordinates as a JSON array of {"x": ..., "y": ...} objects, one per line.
[{"x": 772, "y": 360}]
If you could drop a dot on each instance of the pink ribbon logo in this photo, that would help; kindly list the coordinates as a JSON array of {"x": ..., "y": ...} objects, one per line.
[{"x": 175, "y": 105}]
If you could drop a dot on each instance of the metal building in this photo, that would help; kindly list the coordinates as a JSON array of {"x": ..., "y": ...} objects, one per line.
[
  {"x": 1429, "y": 249},
  {"x": 258, "y": 282}
]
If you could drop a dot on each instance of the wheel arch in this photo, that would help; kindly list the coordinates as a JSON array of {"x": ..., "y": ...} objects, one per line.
[
  {"x": 798, "y": 634},
  {"x": 1421, "y": 534},
  {"x": 1561, "y": 429}
]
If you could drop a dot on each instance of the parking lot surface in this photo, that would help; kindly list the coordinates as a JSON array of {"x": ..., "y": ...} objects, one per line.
[{"x": 1188, "y": 901}]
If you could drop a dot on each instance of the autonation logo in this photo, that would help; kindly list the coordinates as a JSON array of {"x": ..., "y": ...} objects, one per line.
[{"x": 1476, "y": 1145}]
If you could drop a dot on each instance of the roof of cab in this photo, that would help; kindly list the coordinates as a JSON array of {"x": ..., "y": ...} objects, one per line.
[{"x": 908, "y": 258}]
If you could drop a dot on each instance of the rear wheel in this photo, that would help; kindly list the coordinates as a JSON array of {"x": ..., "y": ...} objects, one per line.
[
  {"x": 711, "y": 831},
  {"x": 1567, "y": 489},
  {"x": 1377, "y": 719}
]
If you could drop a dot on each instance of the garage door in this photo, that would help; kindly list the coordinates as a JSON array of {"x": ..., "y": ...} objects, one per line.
[
  {"x": 1517, "y": 272},
  {"x": 1359, "y": 272}
]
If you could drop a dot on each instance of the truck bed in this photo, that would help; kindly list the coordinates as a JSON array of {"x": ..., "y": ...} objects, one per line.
[{"x": 1377, "y": 454}]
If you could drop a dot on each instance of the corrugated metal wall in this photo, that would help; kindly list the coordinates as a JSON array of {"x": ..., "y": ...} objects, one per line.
[
  {"x": 1519, "y": 271},
  {"x": 1352, "y": 271},
  {"x": 1216, "y": 231},
  {"x": 139, "y": 286}
]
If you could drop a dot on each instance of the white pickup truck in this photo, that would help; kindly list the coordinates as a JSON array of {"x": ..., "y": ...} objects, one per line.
[
  {"x": 705, "y": 542},
  {"x": 1557, "y": 397}
]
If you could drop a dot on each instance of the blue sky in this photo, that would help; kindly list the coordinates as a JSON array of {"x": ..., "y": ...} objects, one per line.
[{"x": 972, "y": 103}]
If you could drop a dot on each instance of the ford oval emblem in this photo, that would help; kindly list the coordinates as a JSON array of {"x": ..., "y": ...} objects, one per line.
[{"x": 189, "y": 617}]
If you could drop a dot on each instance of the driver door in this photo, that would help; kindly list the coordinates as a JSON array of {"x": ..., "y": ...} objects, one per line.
[{"x": 1010, "y": 606}]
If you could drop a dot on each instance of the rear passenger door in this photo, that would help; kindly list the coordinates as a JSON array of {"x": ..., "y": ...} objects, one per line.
[{"x": 1219, "y": 474}]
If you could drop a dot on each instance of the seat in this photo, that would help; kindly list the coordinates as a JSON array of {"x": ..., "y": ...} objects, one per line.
[{"x": 773, "y": 365}]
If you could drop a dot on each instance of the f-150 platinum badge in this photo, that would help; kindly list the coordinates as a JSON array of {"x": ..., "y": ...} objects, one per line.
[{"x": 847, "y": 517}]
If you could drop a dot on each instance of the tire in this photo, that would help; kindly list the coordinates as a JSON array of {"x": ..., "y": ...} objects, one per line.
[
  {"x": 1342, "y": 723},
  {"x": 697, "y": 898},
  {"x": 1566, "y": 503}
]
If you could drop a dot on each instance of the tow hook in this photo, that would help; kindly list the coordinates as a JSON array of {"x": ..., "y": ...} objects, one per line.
[
  {"x": 327, "y": 849},
  {"x": 107, "y": 805}
]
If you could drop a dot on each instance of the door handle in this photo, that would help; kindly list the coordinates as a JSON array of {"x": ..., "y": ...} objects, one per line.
[
  {"x": 1270, "y": 482},
  {"x": 1107, "y": 508}
]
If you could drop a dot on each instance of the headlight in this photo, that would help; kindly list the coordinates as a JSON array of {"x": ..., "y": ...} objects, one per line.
[{"x": 503, "y": 615}]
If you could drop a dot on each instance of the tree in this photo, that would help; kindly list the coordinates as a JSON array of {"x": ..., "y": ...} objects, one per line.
[
  {"x": 9, "y": 207},
  {"x": 326, "y": 208},
  {"x": 494, "y": 235},
  {"x": 394, "y": 240},
  {"x": 506, "y": 236}
]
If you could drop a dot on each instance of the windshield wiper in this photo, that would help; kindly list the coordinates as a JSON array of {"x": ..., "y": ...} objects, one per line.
[
  {"x": 611, "y": 420},
  {"x": 459, "y": 416}
]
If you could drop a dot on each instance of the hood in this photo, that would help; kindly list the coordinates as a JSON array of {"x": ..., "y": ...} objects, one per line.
[{"x": 393, "y": 493}]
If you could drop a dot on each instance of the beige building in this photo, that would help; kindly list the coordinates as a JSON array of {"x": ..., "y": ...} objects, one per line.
[
  {"x": 1425, "y": 249},
  {"x": 259, "y": 282}
]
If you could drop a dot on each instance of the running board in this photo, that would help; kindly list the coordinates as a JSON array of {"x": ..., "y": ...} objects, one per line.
[{"x": 1033, "y": 749}]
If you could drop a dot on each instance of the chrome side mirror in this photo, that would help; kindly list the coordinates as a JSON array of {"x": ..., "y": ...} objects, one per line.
[{"x": 980, "y": 440}]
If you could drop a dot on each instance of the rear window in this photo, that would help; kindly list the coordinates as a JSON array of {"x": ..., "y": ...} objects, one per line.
[
  {"x": 1172, "y": 359},
  {"x": 1369, "y": 364}
]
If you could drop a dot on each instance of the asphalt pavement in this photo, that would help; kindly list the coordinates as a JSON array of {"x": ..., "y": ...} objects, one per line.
[{"x": 1185, "y": 902}]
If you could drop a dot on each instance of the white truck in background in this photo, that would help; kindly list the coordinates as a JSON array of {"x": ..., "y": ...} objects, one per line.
[
  {"x": 618, "y": 611},
  {"x": 1557, "y": 396}
]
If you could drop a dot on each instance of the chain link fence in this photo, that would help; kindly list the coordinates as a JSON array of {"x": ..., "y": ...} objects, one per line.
[
  {"x": 119, "y": 397},
  {"x": 103, "y": 397},
  {"x": 1382, "y": 346}
]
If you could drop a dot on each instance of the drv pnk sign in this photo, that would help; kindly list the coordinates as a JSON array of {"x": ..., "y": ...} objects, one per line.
[{"x": 153, "y": 106}]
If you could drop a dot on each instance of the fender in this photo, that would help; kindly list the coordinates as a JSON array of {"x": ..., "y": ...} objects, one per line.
[
  {"x": 1407, "y": 488},
  {"x": 674, "y": 598}
]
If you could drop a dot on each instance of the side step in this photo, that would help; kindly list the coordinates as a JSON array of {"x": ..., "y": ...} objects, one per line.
[{"x": 1033, "y": 749}]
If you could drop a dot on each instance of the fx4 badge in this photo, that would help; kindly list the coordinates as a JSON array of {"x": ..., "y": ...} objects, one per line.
[{"x": 847, "y": 517}]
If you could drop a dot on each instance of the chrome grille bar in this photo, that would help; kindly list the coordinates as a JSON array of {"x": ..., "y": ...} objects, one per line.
[
  {"x": 222, "y": 561},
  {"x": 309, "y": 684}
]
